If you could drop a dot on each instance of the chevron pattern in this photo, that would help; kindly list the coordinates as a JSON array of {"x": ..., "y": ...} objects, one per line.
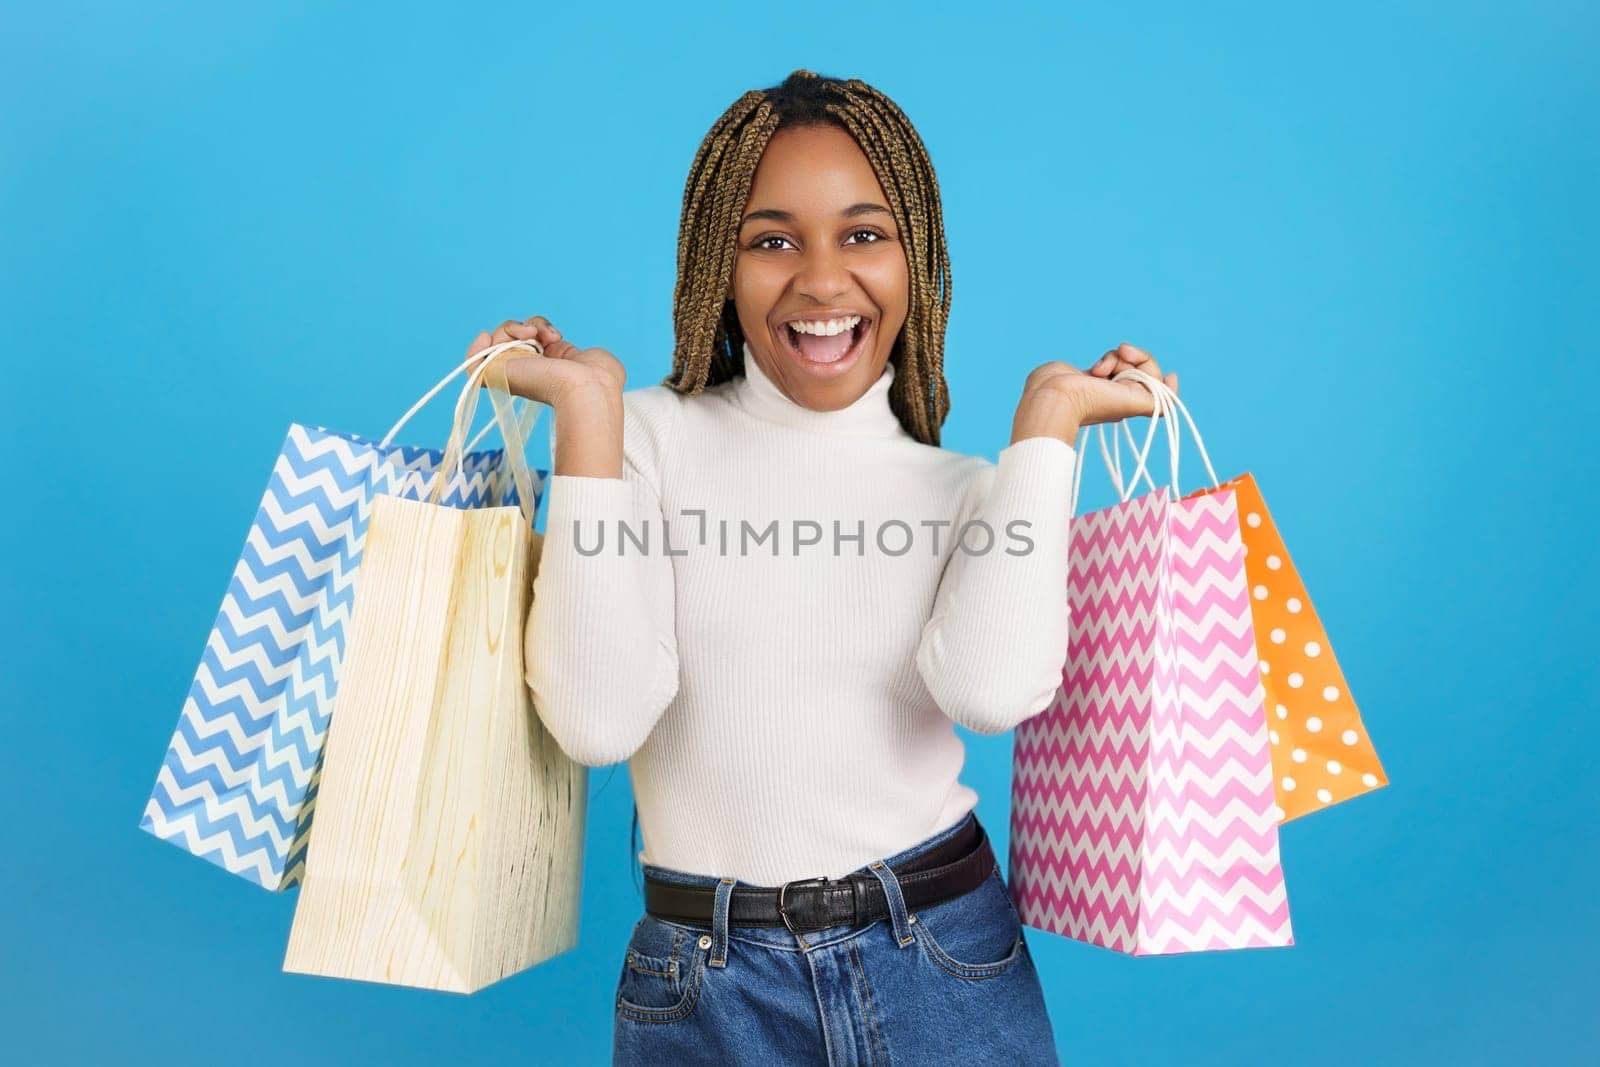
[
  {"x": 1142, "y": 815},
  {"x": 238, "y": 785}
]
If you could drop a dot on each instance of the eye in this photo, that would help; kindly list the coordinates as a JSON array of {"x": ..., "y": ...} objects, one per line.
[{"x": 761, "y": 243}]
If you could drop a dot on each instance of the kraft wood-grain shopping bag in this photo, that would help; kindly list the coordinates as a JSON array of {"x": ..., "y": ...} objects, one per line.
[
  {"x": 238, "y": 784},
  {"x": 1142, "y": 812},
  {"x": 450, "y": 824}
]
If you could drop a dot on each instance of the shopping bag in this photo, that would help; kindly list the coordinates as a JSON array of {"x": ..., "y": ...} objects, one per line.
[
  {"x": 1321, "y": 751},
  {"x": 448, "y": 847},
  {"x": 1142, "y": 810},
  {"x": 238, "y": 784}
]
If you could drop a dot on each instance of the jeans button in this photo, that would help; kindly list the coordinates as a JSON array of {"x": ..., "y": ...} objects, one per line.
[{"x": 705, "y": 940}]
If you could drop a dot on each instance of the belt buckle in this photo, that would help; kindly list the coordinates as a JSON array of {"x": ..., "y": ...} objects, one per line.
[{"x": 820, "y": 883}]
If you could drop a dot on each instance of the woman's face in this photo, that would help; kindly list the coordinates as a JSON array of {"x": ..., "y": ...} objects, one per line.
[{"x": 817, "y": 242}]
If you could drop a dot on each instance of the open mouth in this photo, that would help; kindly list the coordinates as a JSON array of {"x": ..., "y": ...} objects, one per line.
[{"x": 835, "y": 351}]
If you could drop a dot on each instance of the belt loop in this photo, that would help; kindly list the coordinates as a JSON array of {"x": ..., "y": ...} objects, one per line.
[
  {"x": 898, "y": 918},
  {"x": 719, "y": 924}
]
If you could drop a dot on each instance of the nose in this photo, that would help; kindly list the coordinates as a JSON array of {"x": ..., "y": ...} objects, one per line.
[{"x": 822, "y": 275}]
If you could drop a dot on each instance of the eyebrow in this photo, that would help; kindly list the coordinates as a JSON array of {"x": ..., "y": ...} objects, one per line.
[{"x": 783, "y": 216}]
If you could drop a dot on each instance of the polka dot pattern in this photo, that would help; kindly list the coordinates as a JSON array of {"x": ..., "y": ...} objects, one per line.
[{"x": 1321, "y": 753}]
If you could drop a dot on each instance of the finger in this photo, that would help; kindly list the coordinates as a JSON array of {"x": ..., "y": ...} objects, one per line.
[
  {"x": 1167, "y": 379},
  {"x": 514, "y": 331},
  {"x": 511, "y": 329},
  {"x": 1114, "y": 362},
  {"x": 540, "y": 320},
  {"x": 547, "y": 330},
  {"x": 479, "y": 343},
  {"x": 1148, "y": 367},
  {"x": 1115, "y": 366},
  {"x": 1138, "y": 357},
  {"x": 1140, "y": 395},
  {"x": 1133, "y": 397}
]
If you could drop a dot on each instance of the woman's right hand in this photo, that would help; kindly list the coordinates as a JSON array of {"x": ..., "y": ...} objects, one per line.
[
  {"x": 562, "y": 373},
  {"x": 582, "y": 387}
]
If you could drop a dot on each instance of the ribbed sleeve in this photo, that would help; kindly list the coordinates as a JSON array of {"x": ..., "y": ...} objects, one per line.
[
  {"x": 994, "y": 645},
  {"x": 600, "y": 647}
]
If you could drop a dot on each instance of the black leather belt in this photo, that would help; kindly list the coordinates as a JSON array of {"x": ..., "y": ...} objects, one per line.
[{"x": 949, "y": 869}]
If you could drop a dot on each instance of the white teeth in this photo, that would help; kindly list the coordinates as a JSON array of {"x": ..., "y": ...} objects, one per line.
[{"x": 826, "y": 327}]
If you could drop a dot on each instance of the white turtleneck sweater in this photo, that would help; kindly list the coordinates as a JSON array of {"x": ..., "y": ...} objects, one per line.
[{"x": 787, "y": 703}]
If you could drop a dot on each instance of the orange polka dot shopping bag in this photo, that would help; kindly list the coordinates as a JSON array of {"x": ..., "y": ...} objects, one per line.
[{"x": 1321, "y": 753}]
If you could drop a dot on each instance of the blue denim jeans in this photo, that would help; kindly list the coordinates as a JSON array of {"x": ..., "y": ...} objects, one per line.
[{"x": 952, "y": 982}]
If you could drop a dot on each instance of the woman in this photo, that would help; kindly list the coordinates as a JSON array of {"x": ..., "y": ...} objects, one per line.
[{"x": 766, "y": 587}]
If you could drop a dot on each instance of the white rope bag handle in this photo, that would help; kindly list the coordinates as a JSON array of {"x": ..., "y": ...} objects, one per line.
[
  {"x": 1168, "y": 404},
  {"x": 513, "y": 426},
  {"x": 471, "y": 361},
  {"x": 1166, "y": 407},
  {"x": 515, "y": 423},
  {"x": 1112, "y": 457}
]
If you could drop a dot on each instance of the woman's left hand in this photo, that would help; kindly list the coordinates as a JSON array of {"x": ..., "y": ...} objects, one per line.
[
  {"x": 1058, "y": 398},
  {"x": 1125, "y": 356}
]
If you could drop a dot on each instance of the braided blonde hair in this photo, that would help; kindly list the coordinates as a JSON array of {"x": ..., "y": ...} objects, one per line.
[{"x": 709, "y": 345}]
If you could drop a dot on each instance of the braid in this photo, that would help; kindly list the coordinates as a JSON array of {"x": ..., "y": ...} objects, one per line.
[{"x": 709, "y": 342}]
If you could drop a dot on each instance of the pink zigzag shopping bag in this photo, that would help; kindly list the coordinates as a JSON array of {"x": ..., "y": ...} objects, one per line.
[{"x": 1142, "y": 810}]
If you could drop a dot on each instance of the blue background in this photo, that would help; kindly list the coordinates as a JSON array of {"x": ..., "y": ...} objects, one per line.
[{"x": 1363, "y": 235}]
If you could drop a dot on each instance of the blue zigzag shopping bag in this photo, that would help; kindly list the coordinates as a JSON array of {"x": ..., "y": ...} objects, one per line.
[{"x": 239, "y": 782}]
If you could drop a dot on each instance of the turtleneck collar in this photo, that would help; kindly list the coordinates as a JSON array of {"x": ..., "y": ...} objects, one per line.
[{"x": 869, "y": 415}]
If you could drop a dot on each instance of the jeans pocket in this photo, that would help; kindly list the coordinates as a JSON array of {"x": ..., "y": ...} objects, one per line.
[
  {"x": 661, "y": 972},
  {"x": 973, "y": 936}
]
